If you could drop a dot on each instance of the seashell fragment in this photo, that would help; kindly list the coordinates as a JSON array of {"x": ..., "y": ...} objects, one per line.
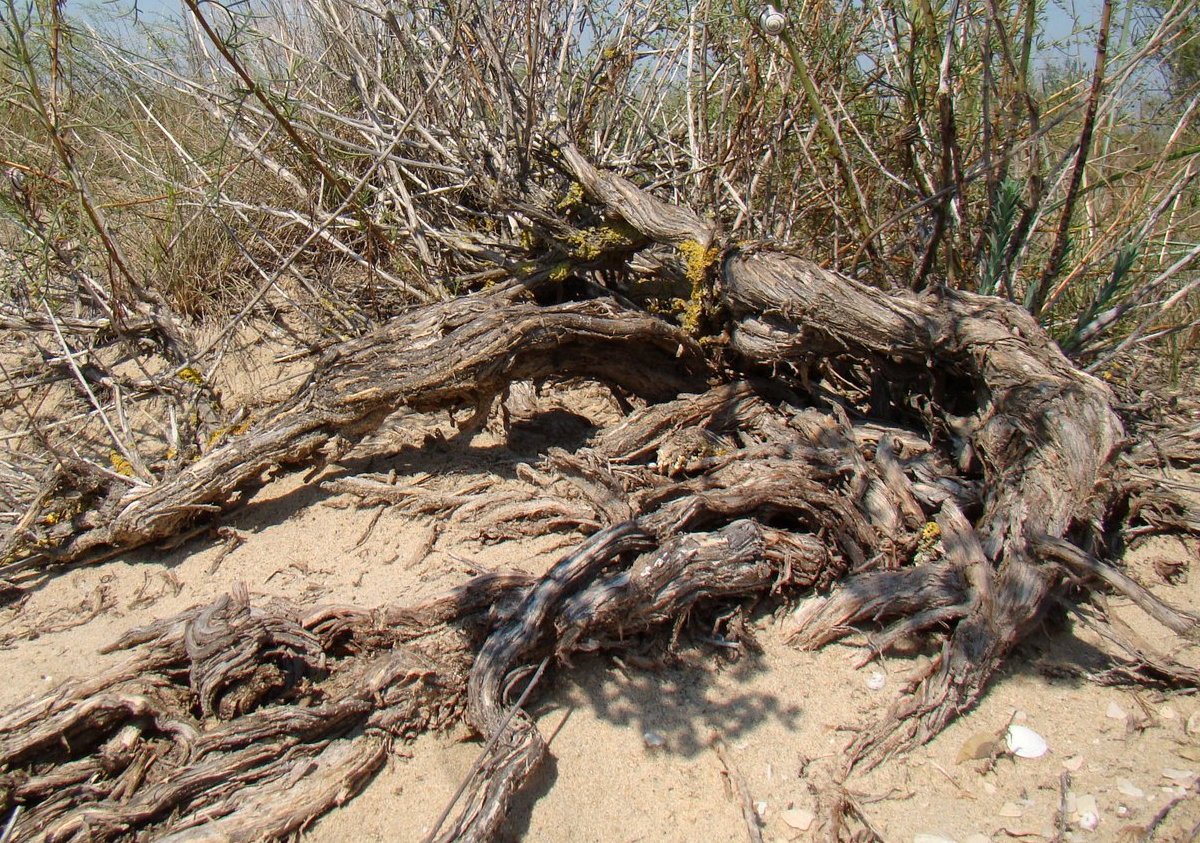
[
  {"x": 1130, "y": 789},
  {"x": 798, "y": 818},
  {"x": 1023, "y": 742},
  {"x": 653, "y": 740},
  {"x": 1088, "y": 812}
]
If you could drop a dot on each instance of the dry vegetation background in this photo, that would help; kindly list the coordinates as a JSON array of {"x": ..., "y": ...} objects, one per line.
[
  {"x": 291, "y": 183},
  {"x": 321, "y": 166}
]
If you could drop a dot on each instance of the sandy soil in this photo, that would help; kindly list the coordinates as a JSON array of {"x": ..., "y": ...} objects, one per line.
[{"x": 632, "y": 755}]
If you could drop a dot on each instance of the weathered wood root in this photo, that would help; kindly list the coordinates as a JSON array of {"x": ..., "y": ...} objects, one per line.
[
  {"x": 376, "y": 675},
  {"x": 447, "y": 354},
  {"x": 1043, "y": 435},
  {"x": 204, "y": 728},
  {"x": 218, "y": 714},
  {"x": 955, "y": 470},
  {"x": 389, "y": 672}
]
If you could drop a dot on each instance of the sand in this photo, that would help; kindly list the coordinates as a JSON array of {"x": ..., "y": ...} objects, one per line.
[{"x": 631, "y": 746}]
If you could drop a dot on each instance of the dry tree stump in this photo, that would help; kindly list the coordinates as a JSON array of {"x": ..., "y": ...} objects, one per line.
[{"x": 916, "y": 460}]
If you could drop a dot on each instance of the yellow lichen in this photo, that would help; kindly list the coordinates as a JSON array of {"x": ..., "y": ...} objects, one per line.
[
  {"x": 120, "y": 465},
  {"x": 69, "y": 511},
  {"x": 589, "y": 244},
  {"x": 697, "y": 260},
  {"x": 929, "y": 544},
  {"x": 560, "y": 271},
  {"x": 573, "y": 197},
  {"x": 226, "y": 431},
  {"x": 664, "y": 307},
  {"x": 693, "y": 313},
  {"x": 190, "y": 374},
  {"x": 526, "y": 268}
]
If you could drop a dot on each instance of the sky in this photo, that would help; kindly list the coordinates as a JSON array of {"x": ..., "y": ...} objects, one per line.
[{"x": 1069, "y": 24}]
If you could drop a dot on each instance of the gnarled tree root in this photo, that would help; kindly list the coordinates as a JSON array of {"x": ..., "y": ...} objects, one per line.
[
  {"x": 228, "y": 705},
  {"x": 440, "y": 356},
  {"x": 935, "y": 454}
]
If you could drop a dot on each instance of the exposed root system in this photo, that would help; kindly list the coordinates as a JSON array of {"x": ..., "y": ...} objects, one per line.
[{"x": 905, "y": 463}]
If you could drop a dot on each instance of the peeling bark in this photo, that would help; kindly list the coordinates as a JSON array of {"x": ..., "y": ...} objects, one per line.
[{"x": 904, "y": 462}]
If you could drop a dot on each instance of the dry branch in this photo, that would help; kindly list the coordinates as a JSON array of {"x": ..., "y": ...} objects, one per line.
[
  {"x": 444, "y": 355},
  {"x": 935, "y": 452}
]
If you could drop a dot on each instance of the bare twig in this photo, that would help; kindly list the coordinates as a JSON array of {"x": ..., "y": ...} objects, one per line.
[
  {"x": 745, "y": 799},
  {"x": 6, "y": 835},
  {"x": 485, "y": 752}
]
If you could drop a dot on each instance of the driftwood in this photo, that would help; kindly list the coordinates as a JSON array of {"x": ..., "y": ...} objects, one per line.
[
  {"x": 443, "y": 356},
  {"x": 921, "y": 461}
]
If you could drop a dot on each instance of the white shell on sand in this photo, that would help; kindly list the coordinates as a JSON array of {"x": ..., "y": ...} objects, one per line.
[
  {"x": 1088, "y": 811},
  {"x": 1023, "y": 742}
]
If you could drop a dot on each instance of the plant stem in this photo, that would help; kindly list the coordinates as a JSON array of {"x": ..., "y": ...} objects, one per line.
[{"x": 1037, "y": 293}]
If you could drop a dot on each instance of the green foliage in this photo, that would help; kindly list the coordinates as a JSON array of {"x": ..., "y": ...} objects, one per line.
[
  {"x": 1107, "y": 294},
  {"x": 994, "y": 275}
]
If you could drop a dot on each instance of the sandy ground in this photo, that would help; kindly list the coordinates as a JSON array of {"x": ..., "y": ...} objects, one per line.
[{"x": 632, "y": 756}]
